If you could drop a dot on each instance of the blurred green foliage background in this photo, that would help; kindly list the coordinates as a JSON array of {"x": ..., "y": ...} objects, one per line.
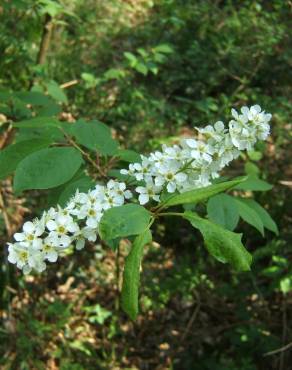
[{"x": 152, "y": 70}]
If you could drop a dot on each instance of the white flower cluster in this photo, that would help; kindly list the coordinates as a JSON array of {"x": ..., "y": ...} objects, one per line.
[
  {"x": 191, "y": 164},
  {"x": 195, "y": 162},
  {"x": 59, "y": 228}
]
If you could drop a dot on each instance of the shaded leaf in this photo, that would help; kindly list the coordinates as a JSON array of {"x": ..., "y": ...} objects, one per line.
[
  {"x": 131, "y": 276},
  {"x": 83, "y": 185},
  {"x": 38, "y": 122},
  {"x": 94, "y": 135},
  {"x": 267, "y": 220},
  {"x": 15, "y": 153},
  {"x": 198, "y": 195},
  {"x": 255, "y": 184},
  {"x": 129, "y": 219},
  {"x": 222, "y": 209},
  {"x": 249, "y": 215},
  {"x": 47, "y": 168},
  {"x": 222, "y": 244}
]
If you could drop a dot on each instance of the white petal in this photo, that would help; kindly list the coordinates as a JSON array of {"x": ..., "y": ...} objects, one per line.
[
  {"x": 192, "y": 143},
  {"x": 52, "y": 256},
  {"x": 159, "y": 181},
  {"x": 92, "y": 222},
  {"x": 195, "y": 154},
  {"x": 28, "y": 227},
  {"x": 143, "y": 198},
  {"x": 51, "y": 225},
  {"x": 65, "y": 241},
  {"x": 156, "y": 198},
  {"x": 128, "y": 194},
  {"x": 37, "y": 243},
  {"x": 72, "y": 227},
  {"x": 19, "y": 237},
  {"x": 26, "y": 269},
  {"x": 257, "y": 108},
  {"x": 171, "y": 186},
  {"x": 80, "y": 244},
  {"x": 140, "y": 189},
  {"x": 234, "y": 113},
  {"x": 181, "y": 177},
  {"x": 219, "y": 126}
]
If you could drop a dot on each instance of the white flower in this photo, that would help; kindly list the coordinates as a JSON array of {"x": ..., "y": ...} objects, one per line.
[
  {"x": 150, "y": 191},
  {"x": 91, "y": 213},
  {"x": 115, "y": 194},
  {"x": 31, "y": 234},
  {"x": 214, "y": 133},
  {"x": 130, "y": 171},
  {"x": 170, "y": 176},
  {"x": 158, "y": 158},
  {"x": 116, "y": 188},
  {"x": 143, "y": 170},
  {"x": 82, "y": 235},
  {"x": 49, "y": 250},
  {"x": 59, "y": 228},
  {"x": 17, "y": 254},
  {"x": 248, "y": 127},
  {"x": 36, "y": 260},
  {"x": 176, "y": 153},
  {"x": 200, "y": 150},
  {"x": 26, "y": 258},
  {"x": 242, "y": 137}
]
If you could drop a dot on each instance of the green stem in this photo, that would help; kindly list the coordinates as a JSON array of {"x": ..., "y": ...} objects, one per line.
[{"x": 170, "y": 214}]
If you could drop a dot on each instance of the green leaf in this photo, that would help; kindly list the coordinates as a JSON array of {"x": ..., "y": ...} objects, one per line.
[
  {"x": 83, "y": 185},
  {"x": 38, "y": 122},
  {"x": 142, "y": 68},
  {"x": 222, "y": 244},
  {"x": 222, "y": 209},
  {"x": 286, "y": 284},
  {"x": 164, "y": 48},
  {"x": 198, "y": 195},
  {"x": 126, "y": 220},
  {"x": 131, "y": 58},
  {"x": 131, "y": 276},
  {"x": 267, "y": 220},
  {"x": 249, "y": 215},
  {"x": 47, "y": 168},
  {"x": 34, "y": 98},
  {"x": 52, "y": 134},
  {"x": 255, "y": 155},
  {"x": 129, "y": 156},
  {"x": 96, "y": 136},
  {"x": 251, "y": 169},
  {"x": 56, "y": 92},
  {"x": 255, "y": 184},
  {"x": 115, "y": 173},
  {"x": 13, "y": 154},
  {"x": 89, "y": 79}
]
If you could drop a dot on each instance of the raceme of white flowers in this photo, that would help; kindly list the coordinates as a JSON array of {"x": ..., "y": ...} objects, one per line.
[
  {"x": 194, "y": 163},
  {"x": 59, "y": 228},
  {"x": 191, "y": 164}
]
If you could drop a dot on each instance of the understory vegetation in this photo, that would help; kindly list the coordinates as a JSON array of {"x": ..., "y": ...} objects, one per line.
[{"x": 84, "y": 87}]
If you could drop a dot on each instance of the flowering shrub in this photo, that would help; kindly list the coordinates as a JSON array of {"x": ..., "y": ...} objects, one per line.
[{"x": 182, "y": 174}]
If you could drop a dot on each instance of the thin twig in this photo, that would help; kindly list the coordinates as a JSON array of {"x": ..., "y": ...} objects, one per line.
[
  {"x": 284, "y": 333},
  {"x": 5, "y": 216},
  {"x": 192, "y": 319},
  {"x": 279, "y": 350},
  {"x": 65, "y": 85},
  {"x": 85, "y": 154}
]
